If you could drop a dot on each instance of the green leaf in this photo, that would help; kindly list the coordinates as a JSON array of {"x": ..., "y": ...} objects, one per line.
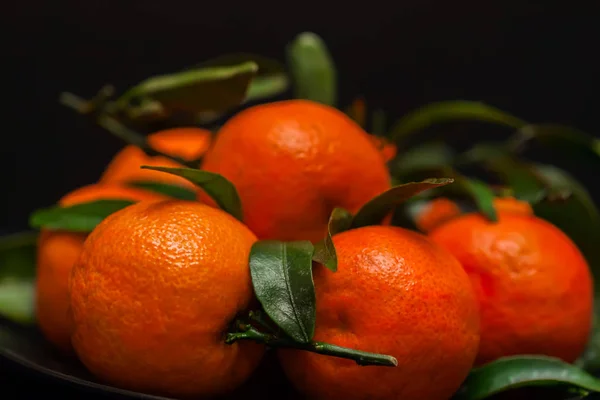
[
  {"x": 17, "y": 277},
  {"x": 174, "y": 191},
  {"x": 339, "y": 221},
  {"x": 526, "y": 185},
  {"x": 196, "y": 90},
  {"x": 577, "y": 216},
  {"x": 376, "y": 210},
  {"x": 448, "y": 111},
  {"x": 82, "y": 217},
  {"x": 222, "y": 191},
  {"x": 481, "y": 194},
  {"x": 312, "y": 68},
  {"x": 426, "y": 158},
  {"x": 524, "y": 371},
  {"x": 570, "y": 142},
  {"x": 271, "y": 79},
  {"x": 282, "y": 279}
]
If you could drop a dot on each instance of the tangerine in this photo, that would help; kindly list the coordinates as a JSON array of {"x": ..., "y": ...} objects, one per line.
[
  {"x": 533, "y": 284},
  {"x": 153, "y": 294},
  {"x": 292, "y": 163},
  {"x": 57, "y": 251},
  {"x": 397, "y": 293}
]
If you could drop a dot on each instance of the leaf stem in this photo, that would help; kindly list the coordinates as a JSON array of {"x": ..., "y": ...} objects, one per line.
[{"x": 248, "y": 332}]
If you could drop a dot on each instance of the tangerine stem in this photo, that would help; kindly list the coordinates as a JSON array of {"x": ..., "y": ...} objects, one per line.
[{"x": 363, "y": 358}]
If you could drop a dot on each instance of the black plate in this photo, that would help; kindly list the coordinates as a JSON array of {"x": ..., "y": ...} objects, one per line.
[{"x": 27, "y": 347}]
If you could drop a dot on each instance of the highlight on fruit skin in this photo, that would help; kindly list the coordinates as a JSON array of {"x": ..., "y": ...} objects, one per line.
[
  {"x": 175, "y": 274},
  {"x": 57, "y": 252},
  {"x": 398, "y": 293},
  {"x": 534, "y": 286}
]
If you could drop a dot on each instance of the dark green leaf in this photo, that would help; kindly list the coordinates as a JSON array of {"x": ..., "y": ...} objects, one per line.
[
  {"x": 175, "y": 191},
  {"x": 525, "y": 184},
  {"x": 17, "y": 277},
  {"x": 197, "y": 90},
  {"x": 283, "y": 283},
  {"x": 576, "y": 216},
  {"x": 382, "y": 205},
  {"x": 312, "y": 68},
  {"x": 216, "y": 186},
  {"x": 480, "y": 193},
  {"x": 339, "y": 221},
  {"x": 524, "y": 371},
  {"x": 570, "y": 142},
  {"x": 423, "y": 159},
  {"x": 77, "y": 218},
  {"x": 271, "y": 79},
  {"x": 448, "y": 111}
]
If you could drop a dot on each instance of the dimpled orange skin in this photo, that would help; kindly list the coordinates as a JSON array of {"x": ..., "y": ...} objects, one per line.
[
  {"x": 57, "y": 252},
  {"x": 533, "y": 284},
  {"x": 153, "y": 295},
  {"x": 292, "y": 163},
  {"x": 188, "y": 143},
  {"x": 397, "y": 293}
]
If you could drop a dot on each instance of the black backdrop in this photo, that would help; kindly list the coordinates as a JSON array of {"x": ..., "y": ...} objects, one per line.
[{"x": 537, "y": 61}]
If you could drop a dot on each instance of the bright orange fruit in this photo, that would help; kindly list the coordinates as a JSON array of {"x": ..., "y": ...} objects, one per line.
[
  {"x": 154, "y": 293},
  {"x": 533, "y": 284},
  {"x": 397, "y": 293},
  {"x": 188, "y": 143},
  {"x": 57, "y": 251},
  {"x": 293, "y": 162}
]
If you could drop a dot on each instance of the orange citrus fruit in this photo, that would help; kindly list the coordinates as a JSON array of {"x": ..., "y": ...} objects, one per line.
[
  {"x": 153, "y": 294},
  {"x": 292, "y": 163},
  {"x": 57, "y": 251},
  {"x": 440, "y": 210},
  {"x": 187, "y": 143},
  {"x": 533, "y": 284},
  {"x": 397, "y": 293}
]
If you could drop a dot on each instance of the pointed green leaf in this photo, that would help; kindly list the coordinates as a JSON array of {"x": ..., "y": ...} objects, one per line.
[
  {"x": 312, "y": 69},
  {"x": 175, "y": 191},
  {"x": 271, "y": 79},
  {"x": 222, "y": 191},
  {"x": 339, "y": 221},
  {"x": 448, "y": 111},
  {"x": 376, "y": 210},
  {"x": 82, "y": 217},
  {"x": 17, "y": 277},
  {"x": 282, "y": 279},
  {"x": 196, "y": 90},
  {"x": 524, "y": 371},
  {"x": 570, "y": 142}
]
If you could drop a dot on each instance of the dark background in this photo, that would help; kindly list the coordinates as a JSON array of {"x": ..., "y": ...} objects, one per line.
[{"x": 535, "y": 60}]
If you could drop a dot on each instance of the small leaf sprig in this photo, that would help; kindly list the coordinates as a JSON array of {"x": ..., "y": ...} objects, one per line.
[{"x": 283, "y": 283}]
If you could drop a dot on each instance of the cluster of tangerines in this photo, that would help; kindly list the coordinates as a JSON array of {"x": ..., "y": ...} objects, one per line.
[{"x": 147, "y": 298}]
